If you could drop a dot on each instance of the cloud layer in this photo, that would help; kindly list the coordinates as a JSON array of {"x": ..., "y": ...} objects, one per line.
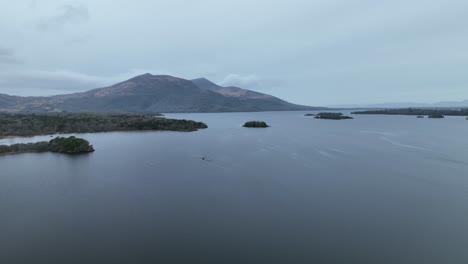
[
  {"x": 39, "y": 82},
  {"x": 7, "y": 56},
  {"x": 65, "y": 15},
  {"x": 315, "y": 52}
]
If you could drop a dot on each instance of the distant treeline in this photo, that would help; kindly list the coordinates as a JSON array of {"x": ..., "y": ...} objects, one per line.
[
  {"x": 70, "y": 145},
  {"x": 44, "y": 124},
  {"x": 417, "y": 112},
  {"x": 332, "y": 116}
]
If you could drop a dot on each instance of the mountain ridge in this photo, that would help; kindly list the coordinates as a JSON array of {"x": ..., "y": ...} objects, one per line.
[{"x": 153, "y": 93}]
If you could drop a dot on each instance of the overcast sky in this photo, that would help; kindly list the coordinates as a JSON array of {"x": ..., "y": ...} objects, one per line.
[{"x": 315, "y": 52}]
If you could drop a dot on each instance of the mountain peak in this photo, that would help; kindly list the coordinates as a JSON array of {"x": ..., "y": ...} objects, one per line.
[
  {"x": 202, "y": 80},
  {"x": 145, "y": 75},
  {"x": 151, "y": 77}
]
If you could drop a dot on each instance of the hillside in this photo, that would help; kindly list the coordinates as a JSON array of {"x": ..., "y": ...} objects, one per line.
[{"x": 153, "y": 93}]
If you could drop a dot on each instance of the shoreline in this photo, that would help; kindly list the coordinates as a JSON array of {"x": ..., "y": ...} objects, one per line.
[
  {"x": 22, "y": 152},
  {"x": 81, "y": 133}
]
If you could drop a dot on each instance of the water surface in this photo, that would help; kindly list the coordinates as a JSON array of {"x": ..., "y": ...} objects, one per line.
[{"x": 377, "y": 189}]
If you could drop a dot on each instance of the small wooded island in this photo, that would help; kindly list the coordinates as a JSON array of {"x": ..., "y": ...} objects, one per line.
[
  {"x": 70, "y": 145},
  {"x": 431, "y": 113},
  {"x": 332, "y": 116},
  {"x": 67, "y": 123},
  {"x": 256, "y": 124}
]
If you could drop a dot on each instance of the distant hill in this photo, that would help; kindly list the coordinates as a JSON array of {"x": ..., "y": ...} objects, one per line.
[
  {"x": 447, "y": 104},
  {"x": 433, "y": 113},
  {"x": 153, "y": 93}
]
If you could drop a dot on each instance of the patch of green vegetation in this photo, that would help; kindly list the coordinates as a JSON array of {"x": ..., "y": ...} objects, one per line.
[
  {"x": 70, "y": 145},
  {"x": 67, "y": 123},
  {"x": 256, "y": 124},
  {"x": 23, "y": 148}
]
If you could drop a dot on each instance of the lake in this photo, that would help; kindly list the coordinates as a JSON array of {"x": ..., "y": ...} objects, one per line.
[{"x": 376, "y": 189}]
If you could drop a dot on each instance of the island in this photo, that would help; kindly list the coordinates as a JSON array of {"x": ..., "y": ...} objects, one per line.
[
  {"x": 417, "y": 112},
  {"x": 256, "y": 124},
  {"x": 332, "y": 116},
  {"x": 68, "y": 123},
  {"x": 70, "y": 145},
  {"x": 420, "y": 116},
  {"x": 309, "y": 115},
  {"x": 436, "y": 116}
]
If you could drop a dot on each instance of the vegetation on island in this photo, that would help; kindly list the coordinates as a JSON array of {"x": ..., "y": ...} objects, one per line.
[
  {"x": 67, "y": 123},
  {"x": 332, "y": 116},
  {"x": 70, "y": 145},
  {"x": 420, "y": 116},
  {"x": 256, "y": 124},
  {"x": 309, "y": 115},
  {"x": 416, "y": 112},
  {"x": 436, "y": 116}
]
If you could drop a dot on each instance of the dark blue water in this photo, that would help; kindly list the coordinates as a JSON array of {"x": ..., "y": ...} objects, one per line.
[{"x": 377, "y": 189}]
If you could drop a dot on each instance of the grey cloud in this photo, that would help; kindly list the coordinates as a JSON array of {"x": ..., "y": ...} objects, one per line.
[
  {"x": 252, "y": 81},
  {"x": 7, "y": 56},
  {"x": 47, "y": 80},
  {"x": 42, "y": 82},
  {"x": 66, "y": 14}
]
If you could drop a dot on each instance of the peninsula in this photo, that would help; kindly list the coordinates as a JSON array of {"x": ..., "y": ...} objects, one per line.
[{"x": 66, "y": 123}]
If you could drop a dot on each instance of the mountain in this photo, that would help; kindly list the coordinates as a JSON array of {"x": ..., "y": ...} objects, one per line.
[{"x": 153, "y": 93}]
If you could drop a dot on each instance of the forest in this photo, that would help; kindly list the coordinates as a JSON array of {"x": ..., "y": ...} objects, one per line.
[
  {"x": 70, "y": 145},
  {"x": 64, "y": 123}
]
